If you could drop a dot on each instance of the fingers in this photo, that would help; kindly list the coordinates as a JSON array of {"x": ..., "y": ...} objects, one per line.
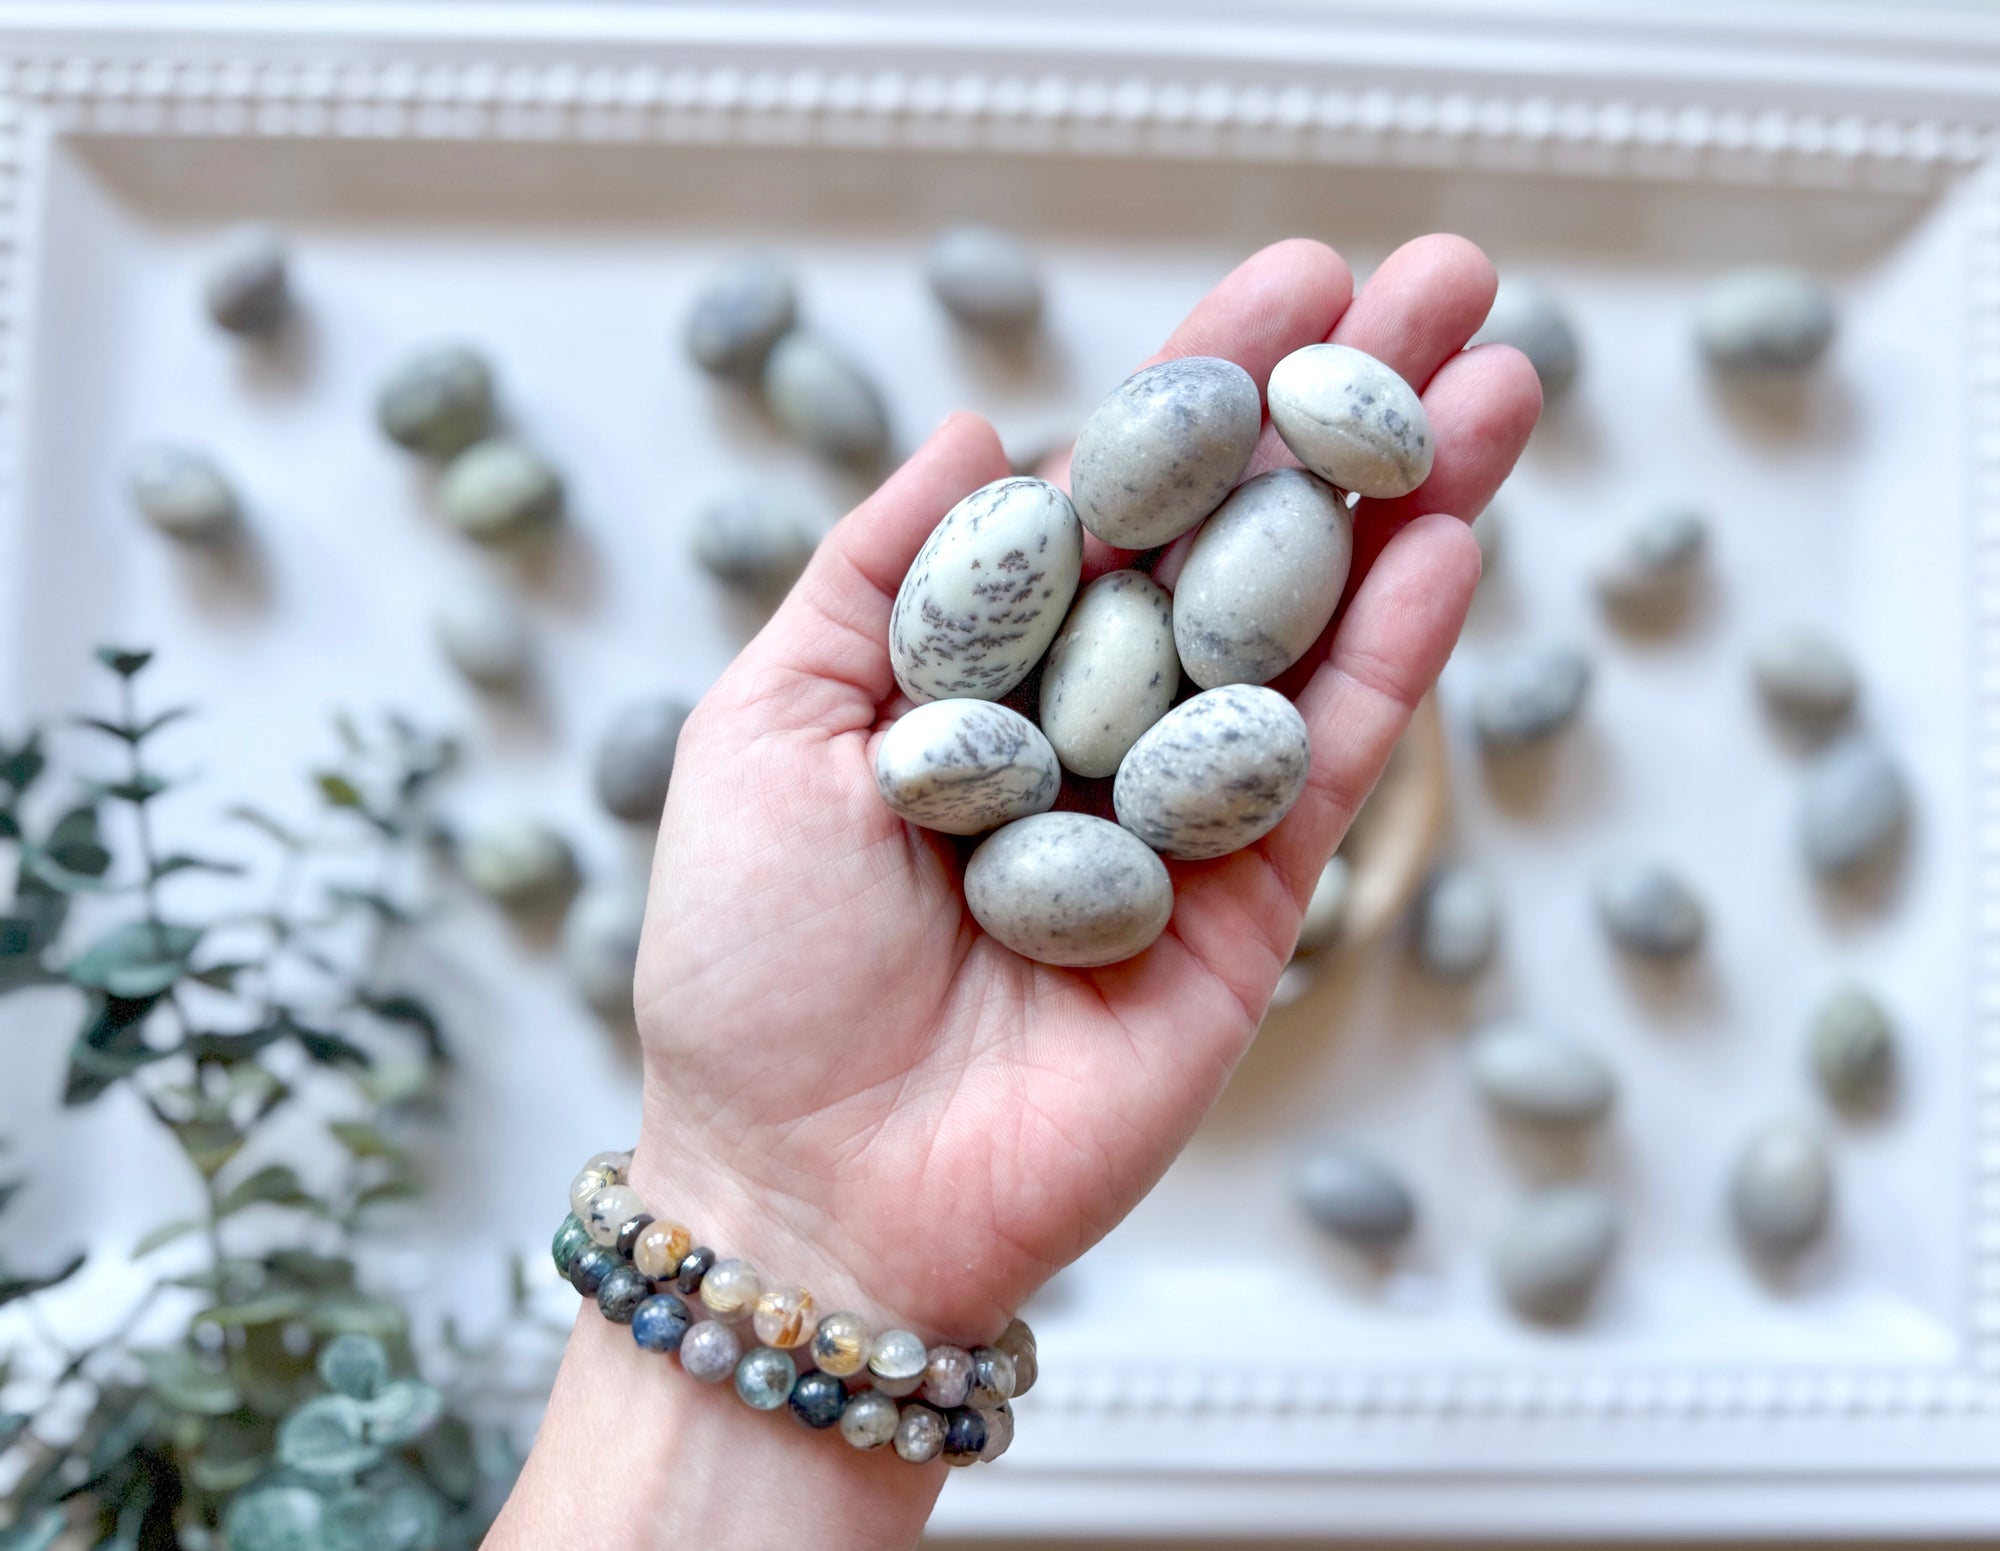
[{"x": 1418, "y": 310}]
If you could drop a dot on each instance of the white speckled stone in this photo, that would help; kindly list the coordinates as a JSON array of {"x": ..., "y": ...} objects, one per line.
[
  {"x": 1457, "y": 922},
  {"x": 1356, "y": 1198},
  {"x": 182, "y": 492},
  {"x": 987, "y": 279},
  {"x": 1763, "y": 320},
  {"x": 1853, "y": 1048},
  {"x": 740, "y": 312},
  {"x": 437, "y": 401},
  {"x": 1553, "y": 1254},
  {"x": 244, "y": 288},
  {"x": 1262, "y": 578},
  {"x": 484, "y": 631},
  {"x": 635, "y": 759},
  {"x": 1066, "y": 888},
  {"x": 1527, "y": 317},
  {"x": 987, "y": 592},
  {"x": 1650, "y": 566},
  {"x": 1351, "y": 420},
  {"x": 600, "y": 945},
  {"x": 825, "y": 400},
  {"x": 519, "y": 862},
  {"x": 1805, "y": 676},
  {"x": 1110, "y": 673},
  {"x": 1853, "y": 805},
  {"x": 966, "y": 766},
  {"x": 499, "y": 489},
  {"x": 1162, "y": 451},
  {"x": 1326, "y": 910},
  {"x": 754, "y": 539},
  {"x": 1215, "y": 773},
  {"x": 1782, "y": 1189},
  {"x": 1533, "y": 1074},
  {"x": 1648, "y": 909},
  {"x": 1530, "y": 696}
]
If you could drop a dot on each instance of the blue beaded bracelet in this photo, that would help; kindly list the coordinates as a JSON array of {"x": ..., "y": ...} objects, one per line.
[{"x": 928, "y": 1402}]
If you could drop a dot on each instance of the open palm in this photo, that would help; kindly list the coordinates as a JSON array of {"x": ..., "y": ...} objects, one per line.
[{"x": 847, "y": 1082}]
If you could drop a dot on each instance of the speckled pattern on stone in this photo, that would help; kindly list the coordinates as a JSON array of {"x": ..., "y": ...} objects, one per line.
[
  {"x": 244, "y": 289},
  {"x": 1162, "y": 451},
  {"x": 1781, "y": 1192},
  {"x": 183, "y": 493},
  {"x": 437, "y": 401},
  {"x": 1805, "y": 675},
  {"x": 825, "y": 400},
  {"x": 985, "y": 278},
  {"x": 1766, "y": 319},
  {"x": 966, "y": 766},
  {"x": 1110, "y": 673},
  {"x": 1853, "y": 806},
  {"x": 739, "y": 313},
  {"x": 1552, "y": 1255},
  {"x": 754, "y": 538},
  {"x": 1651, "y": 564},
  {"x": 987, "y": 592},
  {"x": 1351, "y": 420},
  {"x": 1069, "y": 889},
  {"x": 1262, "y": 579},
  {"x": 1530, "y": 696},
  {"x": 1536, "y": 1075},
  {"x": 1355, "y": 1198},
  {"x": 1648, "y": 909},
  {"x": 1215, "y": 773},
  {"x": 1527, "y": 317}
]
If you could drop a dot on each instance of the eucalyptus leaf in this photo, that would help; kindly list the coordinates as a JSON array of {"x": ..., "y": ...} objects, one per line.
[
  {"x": 13, "y": 1288},
  {"x": 412, "y": 1012},
  {"x": 258, "y": 819},
  {"x": 274, "y": 1518},
  {"x": 123, "y": 661},
  {"x": 404, "y": 1411},
  {"x": 163, "y": 1235},
  {"x": 36, "y": 1533},
  {"x": 275, "y": 1183},
  {"x": 274, "y": 1309},
  {"x": 180, "y": 1379},
  {"x": 136, "y": 959},
  {"x": 221, "y": 977},
  {"x": 363, "y": 1140},
  {"x": 321, "y": 1273},
  {"x": 110, "y": 1046},
  {"x": 338, "y": 790},
  {"x": 166, "y": 718},
  {"x": 12, "y": 1425},
  {"x": 327, "y": 1437},
  {"x": 328, "y": 1048},
  {"x": 139, "y": 789},
  {"x": 373, "y": 900},
  {"x": 360, "y": 1312},
  {"x": 233, "y": 1452},
  {"x": 17, "y": 936},
  {"x": 403, "y": 1517},
  {"x": 209, "y": 1142},
  {"x": 22, "y": 764},
  {"x": 167, "y": 866},
  {"x": 355, "y": 1365}
]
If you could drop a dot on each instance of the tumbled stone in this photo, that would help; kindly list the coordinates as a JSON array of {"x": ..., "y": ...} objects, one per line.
[
  {"x": 1350, "y": 419},
  {"x": 1214, "y": 774},
  {"x": 1356, "y": 1198}
]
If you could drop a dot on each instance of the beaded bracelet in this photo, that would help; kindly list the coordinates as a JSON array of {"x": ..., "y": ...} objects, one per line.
[{"x": 642, "y": 1270}]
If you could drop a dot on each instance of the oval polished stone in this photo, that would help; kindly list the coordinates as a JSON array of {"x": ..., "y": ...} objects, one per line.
[
  {"x": 1111, "y": 671},
  {"x": 1532, "y": 1074},
  {"x": 1805, "y": 676},
  {"x": 1351, "y": 420},
  {"x": 519, "y": 862},
  {"x": 966, "y": 766},
  {"x": 1325, "y": 911},
  {"x": 1066, "y": 888},
  {"x": 1457, "y": 922},
  {"x": 437, "y": 401},
  {"x": 739, "y": 313},
  {"x": 484, "y": 633},
  {"x": 1648, "y": 909},
  {"x": 1356, "y": 1198},
  {"x": 499, "y": 489},
  {"x": 1853, "y": 1048},
  {"x": 244, "y": 287},
  {"x": 754, "y": 539},
  {"x": 635, "y": 758},
  {"x": 1782, "y": 1189},
  {"x": 600, "y": 945},
  {"x": 1764, "y": 320},
  {"x": 1853, "y": 806},
  {"x": 1525, "y": 315},
  {"x": 1215, "y": 773},
  {"x": 825, "y": 400},
  {"x": 184, "y": 493},
  {"x": 1262, "y": 579},
  {"x": 987, "y": 592},
  {"x": 986, "y": 278},
  {"x": 1529, "y": 696},
  {"x": 1552, "y": 1255},
  {"x": 1650, "y": 567},
  {"x": 1162, "y": 451}
]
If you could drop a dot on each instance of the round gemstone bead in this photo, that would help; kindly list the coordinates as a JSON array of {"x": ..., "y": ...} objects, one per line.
[
  {"x": 896, "y": 1363},
  {"x": 947, "y": 1376},
  {"x": 992, "y": 1377},
  {"x": 919, "y": 1434},
  {"x": 586, "y": 1185},
  {"x": 964, "y": 1435},
  {"x": 731, "y": 1289},
  {"x": 628, "y": 1236},
  {"x": 999, "y": 1431},
  {"x": 617, "y": 1164},
  {"x": 661, "y": 1323},
  {"x": 591, "y": 1267},
  {"x": 609, "y": 1210},
  {"x": 709, "y": 1351},
  {"x": 869, "y": 1420},
  {"x": 621, "y": 1292},
  {"x": 841, "y": 1344},
  {"x": 1018, "y": 1342},
  {"x": 783, "y": 1316},
  {"x": 695, "y": 1266},
  {"x": 570, "y": 1241},
  {"x": 817, "y": 1400},
  {"x": 765, "y": 1376},
  {"x": 660, "y": 1250}
]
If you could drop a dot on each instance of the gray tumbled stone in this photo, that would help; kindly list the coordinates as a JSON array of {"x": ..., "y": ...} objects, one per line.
[
  {"x": 825, "y": 400},
  {"x": 1781, "y": 1192},
  {"x": 966, "y": 766},
  {"x": 1527, "y": 317},
  {"x": 1534, "y": 1074},
  {"x": 1489, "y": 532},
  {"x": 1650, "y": 566},
  {"x": 1110, "y": 673},
  {"x": 600, "y": 945},
  {"x": 1648, "y": 909},
  {"x": 1553, "y": 1254},
  {"x": 520, "y": 862},
  {"x": 1530, "y": 696},
  {"x": 1351, "y": 420},
  {"x": 740, "y": 312},
  {"x": 635, "y": 758},
  {"x": 498, "y": 490},
  {"x": 1215, "y": 773},
  {"x": 437, "y": 401},
  {"x": 1805, "y": 676},
  {"x": 182, "y": 492},
  {"x": 1853, "y": 1048},
  {"x": 1457, "y": 922},
  {"x": 244, "y": 287},
  {"x": 1262, "y": 578},
  {"x": 986, "y": 278},
  {"x": 987, "y": 592},
  {"x": 1326, "y": 911},
  {"x": 1356, "y": 1198},
  {"x": 754, "y": 539},
  {"x": 1068, "y": 889},
  {"x": 484, "y": 632},
  {"x": 1853, "y": 805},
  {"x": 1162, "y": 451},
  {"x": 1763, "y": 320}
]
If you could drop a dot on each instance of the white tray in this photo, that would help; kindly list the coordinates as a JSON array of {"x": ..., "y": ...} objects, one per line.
[{"x": 454, "y": 172}]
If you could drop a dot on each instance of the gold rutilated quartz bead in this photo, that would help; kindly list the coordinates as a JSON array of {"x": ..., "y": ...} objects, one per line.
[
  {"x": 1018, "y": 1342},
  {"x": 609, "y": 1210},
  {"x": 783, "y": 1316},
  {"x": 661, "y": 1249},
  {"x": 617, "y": 1164},
  {"x": 731, "y": 1289},
  {"x": 586, "y": 1184},
  {"x": 840, "y": 1345},
  {"x": 896, "y": 1363}
]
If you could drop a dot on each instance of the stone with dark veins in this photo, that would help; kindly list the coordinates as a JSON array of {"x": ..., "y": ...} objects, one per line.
[
  {"x": 966, "y": 766},
  {"x": 1068, "y": 889},
  {"x": 1215, "y": 773},
  {"x": 1351, "y": 420}
]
